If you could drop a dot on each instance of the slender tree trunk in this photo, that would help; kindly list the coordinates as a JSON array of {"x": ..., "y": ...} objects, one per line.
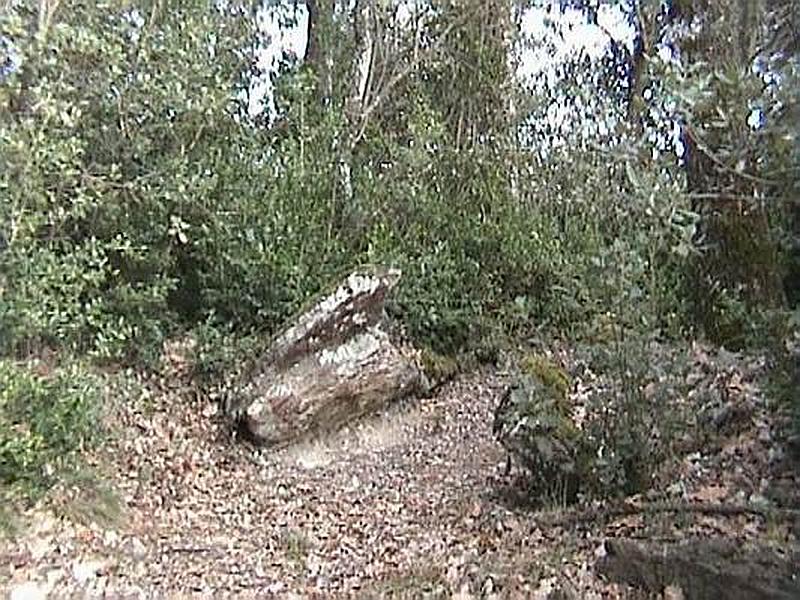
[
  {"x": 364, "y": 24},
  {"x": 365, "y": 35},
  {"x": 318, "y": 47},
  {"x": 740, "y": 257}
]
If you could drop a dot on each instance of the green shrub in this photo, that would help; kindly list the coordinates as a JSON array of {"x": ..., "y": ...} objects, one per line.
[
  {"x": 104, "y": 161},
  {"x": 143, "y": 211},
  {"x": 534, "y": 424},
  {"x": 45, "y": 420},
  {"x": 613, "y": 440},
  {"x": 132, "y": 209},
  {"x": 633, "y": 420},
  {"x": 471, "y": 256}
]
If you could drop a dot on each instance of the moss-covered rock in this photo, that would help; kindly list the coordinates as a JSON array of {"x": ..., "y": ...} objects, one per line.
[
  {"x": 548, "y": 373},
  {"x": 534, "y": 424},
  {"x": 438, "y": 368}
]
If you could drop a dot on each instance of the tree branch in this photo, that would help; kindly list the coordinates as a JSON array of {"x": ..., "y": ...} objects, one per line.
[
  {"x": 382, "y": 94},
  {"x": 610, "y": 512}
]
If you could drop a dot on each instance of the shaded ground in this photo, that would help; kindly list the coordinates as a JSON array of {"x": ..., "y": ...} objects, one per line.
[{"x": 407, "y": 504}]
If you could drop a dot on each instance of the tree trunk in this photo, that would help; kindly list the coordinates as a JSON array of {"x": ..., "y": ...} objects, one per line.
[
  {"x": 364, "y": 23},
  {"x": 318, "y": 47}
]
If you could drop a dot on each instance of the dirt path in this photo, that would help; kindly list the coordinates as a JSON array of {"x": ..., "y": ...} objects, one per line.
[
  {"x": 402, "y": 505},
  {"x": 320, "y": 517}
]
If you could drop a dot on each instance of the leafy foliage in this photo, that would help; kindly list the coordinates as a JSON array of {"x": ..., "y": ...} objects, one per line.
[
  {"x": 637, "y": 421},
  {"x": 533, "y": 422},
  {"x": 44, "y": 421},
  {"x": 740, "y": 169},
  {"x": 108, "y": 155},
  {"x": 610, "y": 439}
]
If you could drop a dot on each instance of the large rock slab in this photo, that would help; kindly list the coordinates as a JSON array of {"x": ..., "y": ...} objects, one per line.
[
  {"x": 334, "y": 363},
  {"x": 704, "y": 569}
]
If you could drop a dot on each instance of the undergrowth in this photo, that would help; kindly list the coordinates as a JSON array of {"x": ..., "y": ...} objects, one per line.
[{"x": 46, "y": 420}]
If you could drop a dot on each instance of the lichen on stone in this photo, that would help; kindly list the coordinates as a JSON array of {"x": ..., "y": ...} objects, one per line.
[
  {"x": 437, "y": 367},
  {"x": 549, "y": 373}
]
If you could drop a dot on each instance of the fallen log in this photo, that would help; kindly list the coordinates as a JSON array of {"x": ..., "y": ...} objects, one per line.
[
  {"x": 334, "y": 363},
  {"x": 704, "y": 569}
]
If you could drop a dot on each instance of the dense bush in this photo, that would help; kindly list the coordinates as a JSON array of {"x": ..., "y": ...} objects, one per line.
[
  {"x": 634, "y": 421},
  {"x": 130, "y": 214},
  {"x": 105, "y": 156},
  {"x": 44, "y": 421},
  {"x": 614, "y": 437},
  {"x": 135, "y": 208},
  {"x": 534, "y": 423}
]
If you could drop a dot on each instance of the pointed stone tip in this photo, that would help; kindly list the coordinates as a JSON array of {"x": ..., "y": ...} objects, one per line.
[
  {"x": 383, "y": 275},
  {"x": 391, "y": 275}
]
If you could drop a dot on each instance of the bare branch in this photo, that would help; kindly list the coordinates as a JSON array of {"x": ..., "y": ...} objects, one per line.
[{"x": 382, "y": 94}]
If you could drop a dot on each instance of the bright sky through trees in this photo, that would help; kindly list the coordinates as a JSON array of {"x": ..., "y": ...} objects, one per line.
[{"x": 579, "y": 36}]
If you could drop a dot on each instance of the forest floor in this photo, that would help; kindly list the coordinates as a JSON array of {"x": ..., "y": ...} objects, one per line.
[{"x": 411, "y": 503}]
